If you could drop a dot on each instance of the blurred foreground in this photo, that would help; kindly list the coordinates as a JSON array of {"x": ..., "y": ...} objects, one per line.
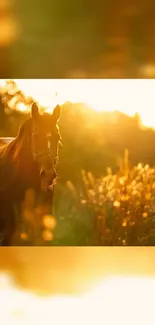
[
  {"x": 64, "y": 270},
  {"x": 83, "y": 285},
  {"x": 62, "y": 39}
]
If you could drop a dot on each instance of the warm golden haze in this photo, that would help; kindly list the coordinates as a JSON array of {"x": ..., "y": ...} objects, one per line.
[
  {"x": 127, "y": 95},
  {"x": 106, "y": 177}
]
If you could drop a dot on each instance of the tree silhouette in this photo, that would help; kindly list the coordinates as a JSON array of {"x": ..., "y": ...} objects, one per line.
[{"x": 12, "y": 96}]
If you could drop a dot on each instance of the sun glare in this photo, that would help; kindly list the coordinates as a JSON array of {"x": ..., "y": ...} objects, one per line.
[
  {"x": 127, "y": 96},
  {"x": 115, "y": 300},
  {"x": 22, "y": 107}
]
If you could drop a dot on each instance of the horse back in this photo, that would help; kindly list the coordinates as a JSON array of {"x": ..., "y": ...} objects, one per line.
[{"x": 6, "y": 140}]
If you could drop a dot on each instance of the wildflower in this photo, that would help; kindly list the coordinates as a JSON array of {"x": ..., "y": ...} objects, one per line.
[
  {"x": 110, "y": 186},
  {"x": 24, "y": 236},
  {"x": 49, "y": 221},
  {"x": 139, "y": 166},
  {"x": 122, "y": 180},
  {"x": 100, "y": 189},
  {"x": 135, "y": 192},
  {"x": 83, "y": 201},
  {"x": 125, "y": 197},
  {"x": 47, "y": 235},
  {"x": 145, "y": 214},
  {"x": 91, "y": 192},
  {"x": 116, "y": 204},
  {"x": 124, "y": 223}
]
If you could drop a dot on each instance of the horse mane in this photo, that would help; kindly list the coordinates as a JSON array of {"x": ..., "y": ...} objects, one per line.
[{"x": 11, "y": 155}]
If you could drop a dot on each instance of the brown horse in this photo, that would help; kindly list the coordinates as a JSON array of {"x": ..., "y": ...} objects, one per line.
[{"x": 28, "y": 162}]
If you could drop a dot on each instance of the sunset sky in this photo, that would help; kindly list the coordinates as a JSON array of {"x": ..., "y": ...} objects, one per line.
[{"x": 126, "y": 95}]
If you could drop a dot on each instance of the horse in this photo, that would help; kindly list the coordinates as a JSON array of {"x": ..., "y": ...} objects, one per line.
[{"x": 28, "y": 161}]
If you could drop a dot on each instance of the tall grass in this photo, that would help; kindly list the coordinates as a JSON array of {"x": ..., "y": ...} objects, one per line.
[
  {"x": 123, "y": 204},
  {"x": 115, "y": 209}
]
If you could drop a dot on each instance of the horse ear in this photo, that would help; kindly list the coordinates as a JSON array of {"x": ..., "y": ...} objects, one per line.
[
  {"x": 56, "y": 113},
  {"x": 34, "y": 110}
]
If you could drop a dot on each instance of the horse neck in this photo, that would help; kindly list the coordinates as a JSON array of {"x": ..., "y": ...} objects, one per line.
[
  {"x": 22, "y": 159},
  {"x": 25, "y": 158}
]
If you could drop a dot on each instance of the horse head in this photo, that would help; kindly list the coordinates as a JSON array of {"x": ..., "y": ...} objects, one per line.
[{"x": 45, "y": 139}]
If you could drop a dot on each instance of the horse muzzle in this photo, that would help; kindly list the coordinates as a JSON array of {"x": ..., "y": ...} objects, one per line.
[{"x": 47, "y": 179}]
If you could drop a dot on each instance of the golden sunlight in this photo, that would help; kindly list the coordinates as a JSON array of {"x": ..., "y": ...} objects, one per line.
[
  {"x": 128, "y": 96},
  {"x": 115, "y": 300}
]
